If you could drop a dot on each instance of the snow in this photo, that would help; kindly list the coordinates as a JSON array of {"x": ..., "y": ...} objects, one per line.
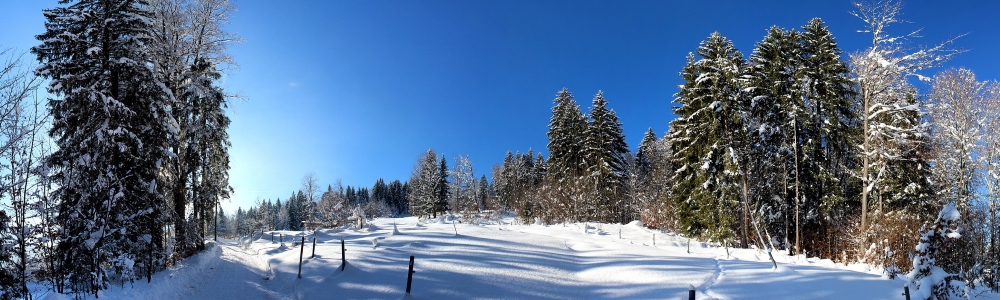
[
  {"x": 949, "y": 212},
  {"x": 501, "y": 261}
]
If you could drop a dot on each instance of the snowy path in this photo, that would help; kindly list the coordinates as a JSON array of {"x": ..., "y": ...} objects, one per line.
[
  {"x": 239, "y": 274},
  {"x": 222, "y": 271}
]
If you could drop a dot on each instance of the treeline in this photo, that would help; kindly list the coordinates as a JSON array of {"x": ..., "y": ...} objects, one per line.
[
  {"x": 129, "y": 178},
  {"x": 339, "y": 205}
]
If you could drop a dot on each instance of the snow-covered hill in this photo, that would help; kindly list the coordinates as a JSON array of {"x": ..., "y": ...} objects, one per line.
[{"x": 573, "y": 261}]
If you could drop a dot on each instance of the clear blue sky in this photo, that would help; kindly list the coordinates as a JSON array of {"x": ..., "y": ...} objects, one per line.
[{"x": 358, "y": 89}]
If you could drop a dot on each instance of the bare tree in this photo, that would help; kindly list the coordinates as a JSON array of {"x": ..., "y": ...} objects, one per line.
[
  {"x": 21, "y": 135},
  {"x": 989, "y": 158},
  {"x": 881, "y": 73},
  {"x": 957, "y": 115}
]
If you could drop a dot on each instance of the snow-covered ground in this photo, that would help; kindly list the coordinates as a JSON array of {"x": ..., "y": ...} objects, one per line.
[{"x": 573, "y": 261}]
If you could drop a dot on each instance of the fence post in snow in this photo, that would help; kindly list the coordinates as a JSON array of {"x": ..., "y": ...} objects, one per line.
[
  {"x": 409, "y": 276},
  {"x": 906, "y": 292},
  {"x": 281, "y": 238},
  {"x": 272, "y": 237},
  {"x": 691, "y": 294},
  {"x": 343, "y": 254},
  {"x": 314, "y": 248},
  {"x": 302, "y": 251}
]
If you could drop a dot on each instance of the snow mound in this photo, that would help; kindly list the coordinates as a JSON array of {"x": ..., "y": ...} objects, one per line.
[
  {"x": 949, "y": 212},
  {"x": 56, "y": 296}
]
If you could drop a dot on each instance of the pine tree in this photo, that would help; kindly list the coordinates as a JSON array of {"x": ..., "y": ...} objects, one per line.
[
  {"x": 705, "y": 140},
  {"x": 111, "y": 122}
]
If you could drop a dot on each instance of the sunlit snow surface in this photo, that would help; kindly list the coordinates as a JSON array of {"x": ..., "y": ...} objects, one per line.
[{"x": 503, "y": 262}]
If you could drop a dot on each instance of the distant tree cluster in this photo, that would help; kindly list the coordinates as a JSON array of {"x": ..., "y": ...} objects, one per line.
[{"x": 339, "y": 205}]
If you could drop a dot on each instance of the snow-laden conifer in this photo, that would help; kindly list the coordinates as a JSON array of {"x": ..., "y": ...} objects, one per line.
[
  {"x": 927, "y": 280},
  {"x": 110, "y": 120}
]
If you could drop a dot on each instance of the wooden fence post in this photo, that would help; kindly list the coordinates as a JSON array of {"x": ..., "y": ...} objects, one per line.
[
  {"x": 314, "y": 248},
  {"x": 691, "y": 294},
  {"x": 409, "y": 276},
  {"x": 302, "y": 251},
  {"x": 906, "y": 292},
  {"x": 343, "y": 254}
]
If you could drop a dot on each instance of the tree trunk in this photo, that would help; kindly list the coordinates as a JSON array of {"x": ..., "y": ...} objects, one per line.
[{"x": 798, "y": 196}]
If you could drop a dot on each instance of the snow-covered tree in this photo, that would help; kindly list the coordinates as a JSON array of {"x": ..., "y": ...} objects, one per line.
[
  {"x": 890, "y": 130},
  {"x": 331, "y": 205},
  {"x": 424, "y": 189},
  {"x": 482, "y": 193},
  {"x": 778, "y": 124},
  {"x": 705, "y": 140},
  {"x": 989, "y": 159},
  {"x": 397, "y": 198},
  {"x": 111, "y": 119},
  {"x": 956, "y": 111},
  {"x": 462, "y": 185},
  {"x": 604, "y": 156},
  {"x": 188, "y": 47},
  {"x": 929, "y": 281},
  {"x": 21, "y": 199}
]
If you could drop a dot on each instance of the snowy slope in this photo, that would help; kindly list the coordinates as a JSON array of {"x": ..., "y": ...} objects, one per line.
[{"x": 502, "y": 262}]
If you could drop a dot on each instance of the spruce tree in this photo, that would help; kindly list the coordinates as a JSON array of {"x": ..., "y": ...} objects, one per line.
[
  {"x": 442, "y": 191},
  {"x": 566, "y": 129},
  {"x": 829, "y": 146},
  {"x": 110, "y": 121},
  {"x": 780, "y": 117},
  {"x": 604, "y": 153},
  {"x": 482, "y": 193},
  {"x": 292, "y": 208},
  {"x": 422, "y": 190},
  {"x": 644, "y": 157},
  {"x": 706, "y": 140}
]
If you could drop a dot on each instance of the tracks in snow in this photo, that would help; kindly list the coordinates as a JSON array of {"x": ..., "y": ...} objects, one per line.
[{"x": 706, "y": 287}]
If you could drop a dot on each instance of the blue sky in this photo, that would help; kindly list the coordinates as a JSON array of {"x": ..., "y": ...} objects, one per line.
[{"x": 357, "y": 90}]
